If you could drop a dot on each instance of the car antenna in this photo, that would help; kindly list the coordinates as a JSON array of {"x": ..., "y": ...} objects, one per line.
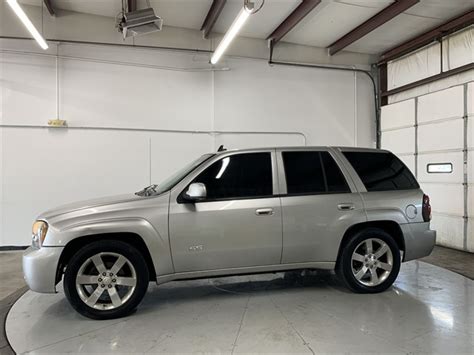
[{"x": 221, "y": 148}]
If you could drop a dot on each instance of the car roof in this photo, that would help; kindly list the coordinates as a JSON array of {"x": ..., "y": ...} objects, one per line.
[{"x": 341, "y": 148}]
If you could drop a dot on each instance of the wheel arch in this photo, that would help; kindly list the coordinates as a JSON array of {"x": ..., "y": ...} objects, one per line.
[
  {"x": 389, "y": 226},
  {"x": 130, "y": 238}
]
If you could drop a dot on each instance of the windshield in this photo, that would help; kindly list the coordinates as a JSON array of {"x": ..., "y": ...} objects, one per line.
[{"x": 168, "y": 183}]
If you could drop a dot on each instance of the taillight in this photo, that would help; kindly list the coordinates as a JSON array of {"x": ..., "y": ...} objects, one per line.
[{"x": 426, "y": 209}]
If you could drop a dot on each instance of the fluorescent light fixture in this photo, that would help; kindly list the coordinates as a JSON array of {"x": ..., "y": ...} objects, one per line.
[
  {"x": 230, "y": 35},
  {"x": 28, "y": 24}
]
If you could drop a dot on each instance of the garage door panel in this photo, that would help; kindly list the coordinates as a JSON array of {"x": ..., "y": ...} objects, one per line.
[
  {"x": 470, "y": 99},
  {"x": 449, "y": 230},
  {"x": 442, "y": 104},
  {"x": 456, "y": 160},
  {"x": 400, "y": 114},
  {"x": 470, "y": 238},
  {"x": 470, "y": 204},
  {"x": 400, "y": 141},
  {"x": 470, "y": 132},
  {"x": 441, "y": 136},
  {"x": 445, "y": 198}
]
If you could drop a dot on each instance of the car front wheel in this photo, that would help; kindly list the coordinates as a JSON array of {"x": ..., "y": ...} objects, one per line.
[
  {"x": 106, "y": 279},
  {"x": 370, "y": 261}
]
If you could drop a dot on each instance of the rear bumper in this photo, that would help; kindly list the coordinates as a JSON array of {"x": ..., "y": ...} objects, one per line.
[
  {"x": 419, "y": 240},
  {"x": 39, "y": 268}
]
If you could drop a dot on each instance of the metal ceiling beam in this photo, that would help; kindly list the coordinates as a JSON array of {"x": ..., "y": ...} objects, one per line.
[
  {"x": 298, "y": 14},
  {"x": 50, "y": 7},
  {"x": 212, "y": 16},
  {"x": 371, "y": 24},
  {"x": 131, "y": 5},
  {"x": 453, "y": 25}
]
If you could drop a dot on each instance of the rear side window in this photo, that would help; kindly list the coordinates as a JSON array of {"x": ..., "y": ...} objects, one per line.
[
  {"x": 381, "y": 171},
  {"x": 312, "y": 172},
  {"x": 238, "y": 176}
]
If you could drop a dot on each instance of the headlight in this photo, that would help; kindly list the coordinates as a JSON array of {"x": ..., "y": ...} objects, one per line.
[{"x": 39, "y": 230}]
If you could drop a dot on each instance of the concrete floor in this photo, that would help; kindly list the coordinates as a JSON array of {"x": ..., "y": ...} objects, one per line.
[
  {"x": 11, "y": 275},
  {"x": 429, "y": 309},
  {"x": 454, "y": 260}
]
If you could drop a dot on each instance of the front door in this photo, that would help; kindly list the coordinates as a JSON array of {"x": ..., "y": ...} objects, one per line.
[{"x": 238, "y": 224}]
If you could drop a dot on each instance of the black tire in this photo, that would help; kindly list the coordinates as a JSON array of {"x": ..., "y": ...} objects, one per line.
[
  {"x": 345, "y": 262},
  {"x": 135, "y": 258}
]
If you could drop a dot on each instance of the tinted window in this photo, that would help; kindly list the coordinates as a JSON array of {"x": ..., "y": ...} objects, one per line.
[
  {"x": 381, "y": 171},
  {"x": 335, "y": 180},
  {"x": 236, "y": 176},
  {"x": 312, "y": 172}
]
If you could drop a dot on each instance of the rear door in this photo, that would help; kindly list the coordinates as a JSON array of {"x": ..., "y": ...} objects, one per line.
[
  {"x": 319, "y": 203},
  {"x": 238, "y": 224}
]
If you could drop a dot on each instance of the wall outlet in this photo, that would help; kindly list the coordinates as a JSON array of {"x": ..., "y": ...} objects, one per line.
[{"x": 57, "y": 123}]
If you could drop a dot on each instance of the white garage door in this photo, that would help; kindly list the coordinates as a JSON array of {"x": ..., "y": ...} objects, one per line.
[{"x": 433, "y": 135}]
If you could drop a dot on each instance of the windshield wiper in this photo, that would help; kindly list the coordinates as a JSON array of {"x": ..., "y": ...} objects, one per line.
[{"x": 147, "y": 191}]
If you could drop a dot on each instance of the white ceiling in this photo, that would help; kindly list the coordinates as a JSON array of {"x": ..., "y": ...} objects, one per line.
[{"x": 329, "y": 21}]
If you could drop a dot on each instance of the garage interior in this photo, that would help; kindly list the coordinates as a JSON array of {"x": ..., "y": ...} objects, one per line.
[{"x": 97, "y": 112}]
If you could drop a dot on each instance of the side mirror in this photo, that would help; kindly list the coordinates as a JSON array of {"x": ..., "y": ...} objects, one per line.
[{"x": 196, "y": 192}]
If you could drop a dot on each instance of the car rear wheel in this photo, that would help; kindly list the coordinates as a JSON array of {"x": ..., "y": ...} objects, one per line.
[
  {"x": 370, "y": 261},
  {"x": 106, "y": 279}
]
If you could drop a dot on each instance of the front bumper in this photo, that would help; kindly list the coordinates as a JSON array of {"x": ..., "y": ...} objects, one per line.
[
  {"x": 39, "y": 268},
  {"x": 419, "y": 240}
]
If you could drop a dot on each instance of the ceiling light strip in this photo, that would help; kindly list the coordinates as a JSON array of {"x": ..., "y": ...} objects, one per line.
[
  {"x": 28, "y": 24},
  {"x": 230, "y": 35}
]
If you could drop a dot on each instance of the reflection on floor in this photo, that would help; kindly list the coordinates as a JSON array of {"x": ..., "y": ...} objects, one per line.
[{"x": 429, "y": 309}]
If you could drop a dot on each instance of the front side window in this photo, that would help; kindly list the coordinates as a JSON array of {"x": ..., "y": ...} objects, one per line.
[
  {"x": 381, "y": 171},
  {"x": 312, "y": 172},
  {"x": 238, "y": 176}
]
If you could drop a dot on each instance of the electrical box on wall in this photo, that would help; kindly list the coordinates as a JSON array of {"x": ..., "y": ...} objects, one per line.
[{"x": 57, "y": 123}]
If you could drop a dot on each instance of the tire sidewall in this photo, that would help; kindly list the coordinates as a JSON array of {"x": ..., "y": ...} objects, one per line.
[
  {"x": 346, "y": 261},
  {"x": 131, "y": 253}
]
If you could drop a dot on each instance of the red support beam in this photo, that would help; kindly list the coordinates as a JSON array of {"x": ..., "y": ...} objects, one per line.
[
  {"x": 50, "y": 7},
  {"x": 371, "y": 24},
  {"x": 131, "y": 5},
  {"x": 212, "y": 16},
  {"x": 293, "y": 19},
  {"x": 453, "y": 25}
]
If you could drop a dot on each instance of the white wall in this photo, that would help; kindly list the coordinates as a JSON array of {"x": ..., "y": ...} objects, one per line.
[{"x": 115, "y": 109}]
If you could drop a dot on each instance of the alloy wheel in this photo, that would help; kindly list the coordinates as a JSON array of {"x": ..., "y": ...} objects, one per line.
[
  {"x": 106, "y": 281},
  {"x": 372, "y": 262}
]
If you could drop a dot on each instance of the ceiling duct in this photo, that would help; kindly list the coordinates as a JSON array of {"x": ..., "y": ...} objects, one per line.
[{"x": 140, "y": 22}]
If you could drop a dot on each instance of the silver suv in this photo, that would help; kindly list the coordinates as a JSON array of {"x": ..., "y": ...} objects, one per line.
[{"x": 358, "y": 211}]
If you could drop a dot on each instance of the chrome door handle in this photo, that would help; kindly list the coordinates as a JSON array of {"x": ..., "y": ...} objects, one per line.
[
  {"x": 345, "y": 206},
  {"x": 264, "y": 211}
]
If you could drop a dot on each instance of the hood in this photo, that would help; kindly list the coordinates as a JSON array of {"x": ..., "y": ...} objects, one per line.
[{"x": 89, "y": 204}]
